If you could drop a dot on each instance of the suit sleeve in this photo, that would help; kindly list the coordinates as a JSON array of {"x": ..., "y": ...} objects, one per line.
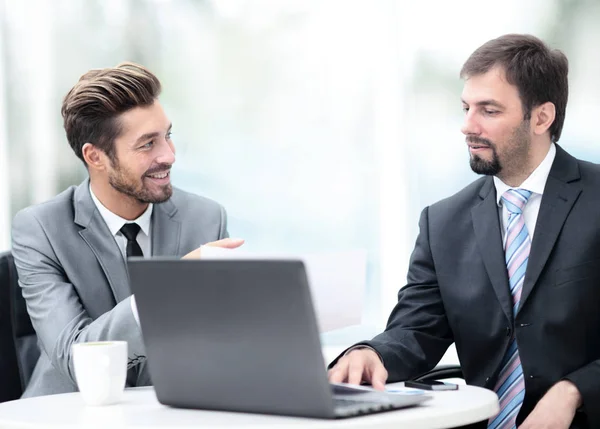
[
  {"x": 417, "y": 332},
  {"x": 56, "y": 312},
  {"x": 223, "y": 233},
  {"x": 587, "y": 380}
]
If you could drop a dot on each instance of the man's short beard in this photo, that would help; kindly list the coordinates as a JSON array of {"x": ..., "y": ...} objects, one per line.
[
  {"x": 514, "y": 157},
  {"x": 119, "y": 182},
  {"x": 488, "y": 168}
]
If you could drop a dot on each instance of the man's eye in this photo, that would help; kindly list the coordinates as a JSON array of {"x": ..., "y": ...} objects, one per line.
[
  {"x": 490, "y": 112},
  {"x": 465, "y": 109},
  {"x": 169, "y": 134},
  {"x": 148, "y": 145}
]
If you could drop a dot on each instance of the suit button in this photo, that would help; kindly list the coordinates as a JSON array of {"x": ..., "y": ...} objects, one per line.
[{"x": 487, "y": 379}]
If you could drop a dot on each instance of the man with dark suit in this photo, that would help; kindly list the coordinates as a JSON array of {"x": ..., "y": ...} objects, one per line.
[
  {"x": 71, "y": 251},
  {"x": 509, "y": 267}
]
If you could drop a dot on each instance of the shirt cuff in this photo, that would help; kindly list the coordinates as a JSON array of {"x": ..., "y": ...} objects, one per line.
[{"x": 134, "y": 310}]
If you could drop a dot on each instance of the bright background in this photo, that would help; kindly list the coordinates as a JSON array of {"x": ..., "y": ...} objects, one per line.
[{"x": 319, "y": 124}]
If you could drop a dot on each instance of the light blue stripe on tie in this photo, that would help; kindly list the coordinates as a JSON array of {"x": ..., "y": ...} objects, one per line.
[
  {"x": 512, "y": 348},
  {"x": 523, "y": 247},
  {"x": 510, "y": 385},
  {"x": 525, "y": 194},
  {"x": 518, "y": 275},
  {"x": 509, "y": 410},
  {"x": 511, "y": 207},
  {"x": 511, "y": 378},
  {"x": 508, "y": 358},
  {"x": 516, "y": 243}
]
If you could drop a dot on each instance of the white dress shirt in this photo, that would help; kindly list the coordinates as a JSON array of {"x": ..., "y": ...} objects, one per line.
[
  {"x": 144, "y": 238},
  {"x": 536, "y": 182}
]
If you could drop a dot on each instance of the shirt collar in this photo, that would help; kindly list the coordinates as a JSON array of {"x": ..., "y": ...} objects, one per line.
[
  {"x": 536, "y": 182},
  {"x": 115, "y": 222}
]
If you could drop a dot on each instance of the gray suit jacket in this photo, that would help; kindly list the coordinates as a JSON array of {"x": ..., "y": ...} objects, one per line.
[{"x": 75, "y": 282}]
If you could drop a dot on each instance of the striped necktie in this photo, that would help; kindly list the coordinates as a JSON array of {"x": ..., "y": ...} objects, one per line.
[{"x": 510, "y": 386}]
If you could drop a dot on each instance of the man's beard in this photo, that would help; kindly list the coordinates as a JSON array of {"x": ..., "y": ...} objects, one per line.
[
  {"x": 515, "y": 154},
  {"x": 481, "y": 166},
  {"x": 118, "y": 179}
]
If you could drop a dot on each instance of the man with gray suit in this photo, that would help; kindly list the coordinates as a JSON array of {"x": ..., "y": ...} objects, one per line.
[{"x": 71, "y": 251}]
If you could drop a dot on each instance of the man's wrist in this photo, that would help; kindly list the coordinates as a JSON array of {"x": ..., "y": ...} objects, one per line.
[
  {"x": 571, "y": 393},
  {"x": 361, "y": 347}
]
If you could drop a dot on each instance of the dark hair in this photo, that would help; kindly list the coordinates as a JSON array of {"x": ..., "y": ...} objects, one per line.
[
  {"x": 538, "y": 72},
  {"x": 91, "y": 108}
]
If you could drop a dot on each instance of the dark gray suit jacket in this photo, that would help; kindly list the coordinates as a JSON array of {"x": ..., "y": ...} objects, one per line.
[
  {"x": 74, "y": 278},
  {"x": 458, "y": 291}
]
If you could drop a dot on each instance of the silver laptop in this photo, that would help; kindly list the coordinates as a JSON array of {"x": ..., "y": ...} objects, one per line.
[{"x": 241, "y": 335}]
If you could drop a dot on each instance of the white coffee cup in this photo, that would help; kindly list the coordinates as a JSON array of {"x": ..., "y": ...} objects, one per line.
[{"x": 100, "y": 370}]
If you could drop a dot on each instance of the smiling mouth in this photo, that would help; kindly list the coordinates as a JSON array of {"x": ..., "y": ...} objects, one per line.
[{"x": 159, "y": 176}]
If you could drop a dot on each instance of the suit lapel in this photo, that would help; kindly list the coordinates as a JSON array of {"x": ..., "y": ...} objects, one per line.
[
  {"x": 560, "y": 193},
  {"x": 166, "y": 230},
  {"x": 486, "y": 223},
  {"x": 98, "y": 237}
]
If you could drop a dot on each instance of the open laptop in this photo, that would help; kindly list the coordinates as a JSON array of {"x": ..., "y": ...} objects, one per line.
[{"x": 241, "y": 335}]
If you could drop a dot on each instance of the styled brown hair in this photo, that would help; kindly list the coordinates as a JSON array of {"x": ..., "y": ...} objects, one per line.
[
  {"x": 91, "y": 108},
  {"x": 538, "y": 72}
]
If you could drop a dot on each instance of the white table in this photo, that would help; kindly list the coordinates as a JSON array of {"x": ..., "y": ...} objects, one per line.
[{"x": 140, "y": 409}]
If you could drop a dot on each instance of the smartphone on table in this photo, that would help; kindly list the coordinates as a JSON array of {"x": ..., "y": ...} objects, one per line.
[{"x": 431, "y": 385}]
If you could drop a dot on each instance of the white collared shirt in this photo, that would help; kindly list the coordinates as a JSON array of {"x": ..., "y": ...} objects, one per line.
[
  {"x": 536, "y": 182},
  {"x": 116, "y": 222},
  {"x": 144, "y": 237}
]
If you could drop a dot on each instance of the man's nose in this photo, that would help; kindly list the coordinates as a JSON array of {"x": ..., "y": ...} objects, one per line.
[
  {"x": 167, "y": 154},
  {"x": 470, "y": 125}
]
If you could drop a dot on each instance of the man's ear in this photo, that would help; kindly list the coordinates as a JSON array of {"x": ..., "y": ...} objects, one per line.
[
  {"x": 542, "y": 117},
  {"x": 94, "y": 157}
]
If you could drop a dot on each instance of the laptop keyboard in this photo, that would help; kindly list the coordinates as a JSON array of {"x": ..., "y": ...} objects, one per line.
[{"x": 352, "y": 401}]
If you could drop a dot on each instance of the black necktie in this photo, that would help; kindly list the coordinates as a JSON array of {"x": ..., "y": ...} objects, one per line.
[{"x": 130, "y": 231}]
